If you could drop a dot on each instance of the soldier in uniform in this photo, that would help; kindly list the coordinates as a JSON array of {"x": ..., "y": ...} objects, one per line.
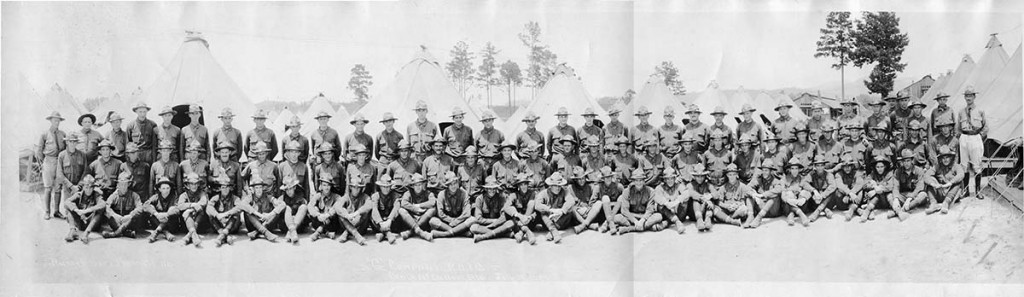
[
  {"x": 769, "y": 201},
  {"x": 389, "y": 138},
  {"x": 506, "y": 169},
  {"x": 877, "y": 116},
  {"x": 879, "y": 186},
  {"x": 105, "y": 168},
  {"x": 460, "y": 136},
  {"x": 488, "y": 134},
  {"x": 358, "y": 136},
  {"x": 637, "y": 207},
  {"x": 589, "y": 128},
  {"x": 165, "y": 167},
  {"x": 51, "y": 144},
  {"x": 262, "y": 166},
  {"x": 672, "y": 199},
  {"x": 881, "y": 144},
  {"x": 519, "y": 207},
  {"x": 534, "y": 166},
  {"x": 828, "y": 147},
  {"x": 260, "y": 134},
  {"x": 849, "y": 186},
  {"x": 593, "y": 160},
  {"x": 899, "y": 112},
  {"x": 941, "y": 113},
  {"x": 192, "y": 203},
  {"x": 802, "y": 147},
  {"x": 224, "y": 165},
  {"x": 914, "y": 141},
  {"x": 491, "y": 219},
  {"x": 973, "y": 127},
  {"x": 749, "y": 126},
  {"x": 794, "y": 192},
  {"x": 361, "y": 168},
  {"x": 642, "y": 131},
  {"x": 297, "y": 169},
  {"x": 84, "y": 209},
  {"x": 195, "y": 164},
  {"x": 196, "y": 132},
  {"x": 565, "y": 158},
  {"x": 453, "y": 210},
  {"x": 910, "y": 185},
  {"x": 168, "y": 131},
  {"x": 717, "y": 157},
  {"x": 669, "y": 132},
  {"x": 856, "y": 146},
  {"x": 784, "y": 125},
  {"x": 559, "y": 131},
  {"x": 70, "y": 167},
  {"x": 116, "y": 135},
  {"x": 223, "y": 211},
  {"x": 719, "y": 125},
  {"x": 822, "y": 186},
  {"x": 472, "y": 173},
  {"x": 142, "y": 132},
  {"x": 916, "y": 114},
  {"x": 139, "y": 170},
  {"x": 386, "y": 203},
  {"x": 697, "y": 129},
  {"x": 775, "y": 151},
  {"x": 732, "y": 200},
  {"x": 848, "y": 118},
  {"x": 945, "y": 137},
  {"x": 614, "y": 128},
  {"x": 295, "y": 125},
  {"x": 436, "y": 164},
  {"x": 625, "y": 162},
  {"x": 588, "y": 205},
  {"x": 418, "y": 206},
  {"x": 354, "y": 208},
  {"x": 90, "y": 138},
  {"x": 942, "y": 181},
  {"x": 322, "y": 211},
  {"x": 651, "y": 161},
  {"x": 260, "y": 209},
  {"x": 161, "y": 209},
  {"x": 123, "y": 209},
  {"x": 295, "y": 197},
  {"x": 553, "y": 206},
  {"x": 421, "y": 132},
  {"x": 229, "y": 135},
  {"x": 325, "y": 134},
  {"x": 405, "y": 166},
  {"x": 530, "y": 134},
  {"x": 688, "y": 158},
  {"x": 820, "y": 115},
  {"x": 747, "y": 158}
]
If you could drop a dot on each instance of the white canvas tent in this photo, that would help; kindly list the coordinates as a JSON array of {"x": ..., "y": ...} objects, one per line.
[
  {"x": 32, "y": 122},
  {"x": 1002, "y": 102},
  {"x": 281, "y": 120},
  {"x": 194, "y": 77},
  {"x": 563, "y": 89},
  {"x": 58, "y": 99},
  {"x": 765, "y": 107},
  {"x": 656, "y": 96},
  {"x": 952, "y": 81},
  {"x": 420, "y": 79},
  {"x": 709, "y": 99},
  {"x": 739, "y": 97},
  {"x": 991, "y": 63},
  {"x": 339, "y": 118}
]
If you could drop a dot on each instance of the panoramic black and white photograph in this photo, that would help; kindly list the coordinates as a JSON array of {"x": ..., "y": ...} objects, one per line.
[{"x": 512, "y": 148}]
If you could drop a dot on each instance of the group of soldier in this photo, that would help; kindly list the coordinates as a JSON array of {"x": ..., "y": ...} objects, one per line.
[{"x": 431, "y": 183}]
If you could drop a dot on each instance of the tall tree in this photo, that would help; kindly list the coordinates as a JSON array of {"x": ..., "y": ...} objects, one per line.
[
  {"x": 460, "y": 68},
  {"x": 487, "y": 73},
  {"x": 542, "y": 60},
  {"x": 836, "y": 41},
  {"x": 511, "y": 76},
  {"x": 360, "y": 82},
  {"x": 668, "y": 71},
  {"x": 878, "y": 40}
]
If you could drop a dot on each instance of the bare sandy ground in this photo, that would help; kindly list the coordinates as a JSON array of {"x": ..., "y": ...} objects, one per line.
[{"x": 979, "y": 241}]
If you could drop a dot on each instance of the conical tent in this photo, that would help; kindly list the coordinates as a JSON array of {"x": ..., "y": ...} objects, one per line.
[
  {"x": 764, "y": 105},
  {"x": 1002, "y": 101},
  {"x": 320, "y": 103},
  {"x": 953, "y": 81},
  {"x": 563, "y": 89},
  {"x": 282, "y": 119},
  {"x": 195, "y": 77},
  {"x": 58, "y": 99},
  {"x": 708, "y": 100},
  {"x": 31, "y": 122},
  {"x": 656, "y": 96},
  {"x": 420, "y": 79},
  {"x": 991, "y": 63},
  {"x": 794, "y": 112},
  {"x": 735, "y": 105}
]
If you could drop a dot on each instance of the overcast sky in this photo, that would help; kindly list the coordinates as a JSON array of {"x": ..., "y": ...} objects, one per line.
[{"x": 295, "y": 50}]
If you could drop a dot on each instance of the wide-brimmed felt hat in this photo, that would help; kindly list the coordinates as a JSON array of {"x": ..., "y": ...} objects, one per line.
[
  {"x": 293, "y": 146},
  {"x": 969, "y": 90},
  {"x": 471, "y": 151},
  {"x": 747, "y": 139},
  {"x": 358, "y": 118},
  {"x": 195, "y": 146},
  {"x": 507, "y": 145},
  {"x": 87, "y": 115},
  {"x": 164, "y": 180},
  {"x": 491, "y": 182},
  {"x": 73, "y": 136},
  {"x": 358, "y": 149},
  {"x": 326, "y": 177},
  {"x": 606, "y": 172},
  {"x": 404, "y": 145},
  {"x": 693, "y": 109},
  {"x": 224, "y": 145},
  {"x": 259, "y": 147},
  {"x": 438, "y": 139},
  {"x": 487, "y": 116},
  {"x": 611, "y": 148},
  {"x": 795, "y": 161},
  {"x": 589, "y": 111},
  {"x": 698, "y": 170},
  {"x": 668, "y": 173},
  {"x": 114, "y": 116},
  {"x": 642, "y": 111},
  {"x": 718, "y": 110},
  {"x": 847, "y": 159},
  {"x": 226, "y": 113},
  {"x": 489, "y": 150},
  {"x": 637, "y": 174},
  {"x": 140, "y": 105},
  {"x": 417, "y": 178},
  {"x": 449, "y": 178},
  {"x": 941, "y": 95},
  {"x": 522, "y": 177},
  {"x": 358, "y": 181},
  {"x": 131, "y": 147},
  {"x": 881, "y": 126},
  {"x": 105, "y": 144},
  {"x": 384, "y": 181},
  {"x": 915, "y": 125},
  {"x": 193, "y": 108},
  {"x": 747, "y": 108},
  {"x": 257, "y": 180},
  {"x": 732, "y": 168},
  {"x": 567, "y": 138},
  {"x": 769, "y": 164},
  {"x": 167, "y": 110},
  {"x": 669, "y": 111},
  {"x": 917, "y": 103},
  {"x": 562, "y": 111},
  {"x": 945, "y": 151},
  {"x": 54, "y": 115},
  {"x": 881, "y": 158},
  {"x": 124, "y": 177},
  {"x": 782, "y": 104},
  {"x": 530, "y": 117},
  {"x": 819, "y": 159},
  {"x": 293, "y": 122},
  {"x": 388, "y": 117},
  {"x": 457, "y": 111},
  {"x": 622, "y": 140},
  {"x": 556, "y": 179},
  {"x": 165, "y": 144},
  {"x": 577, "y": 172},
  {"x": 420, "y": 105},
  {"x": 614, "y": 110},
  {"x": 906, "y": 154},
  {"x": 288, "y": 181}
]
